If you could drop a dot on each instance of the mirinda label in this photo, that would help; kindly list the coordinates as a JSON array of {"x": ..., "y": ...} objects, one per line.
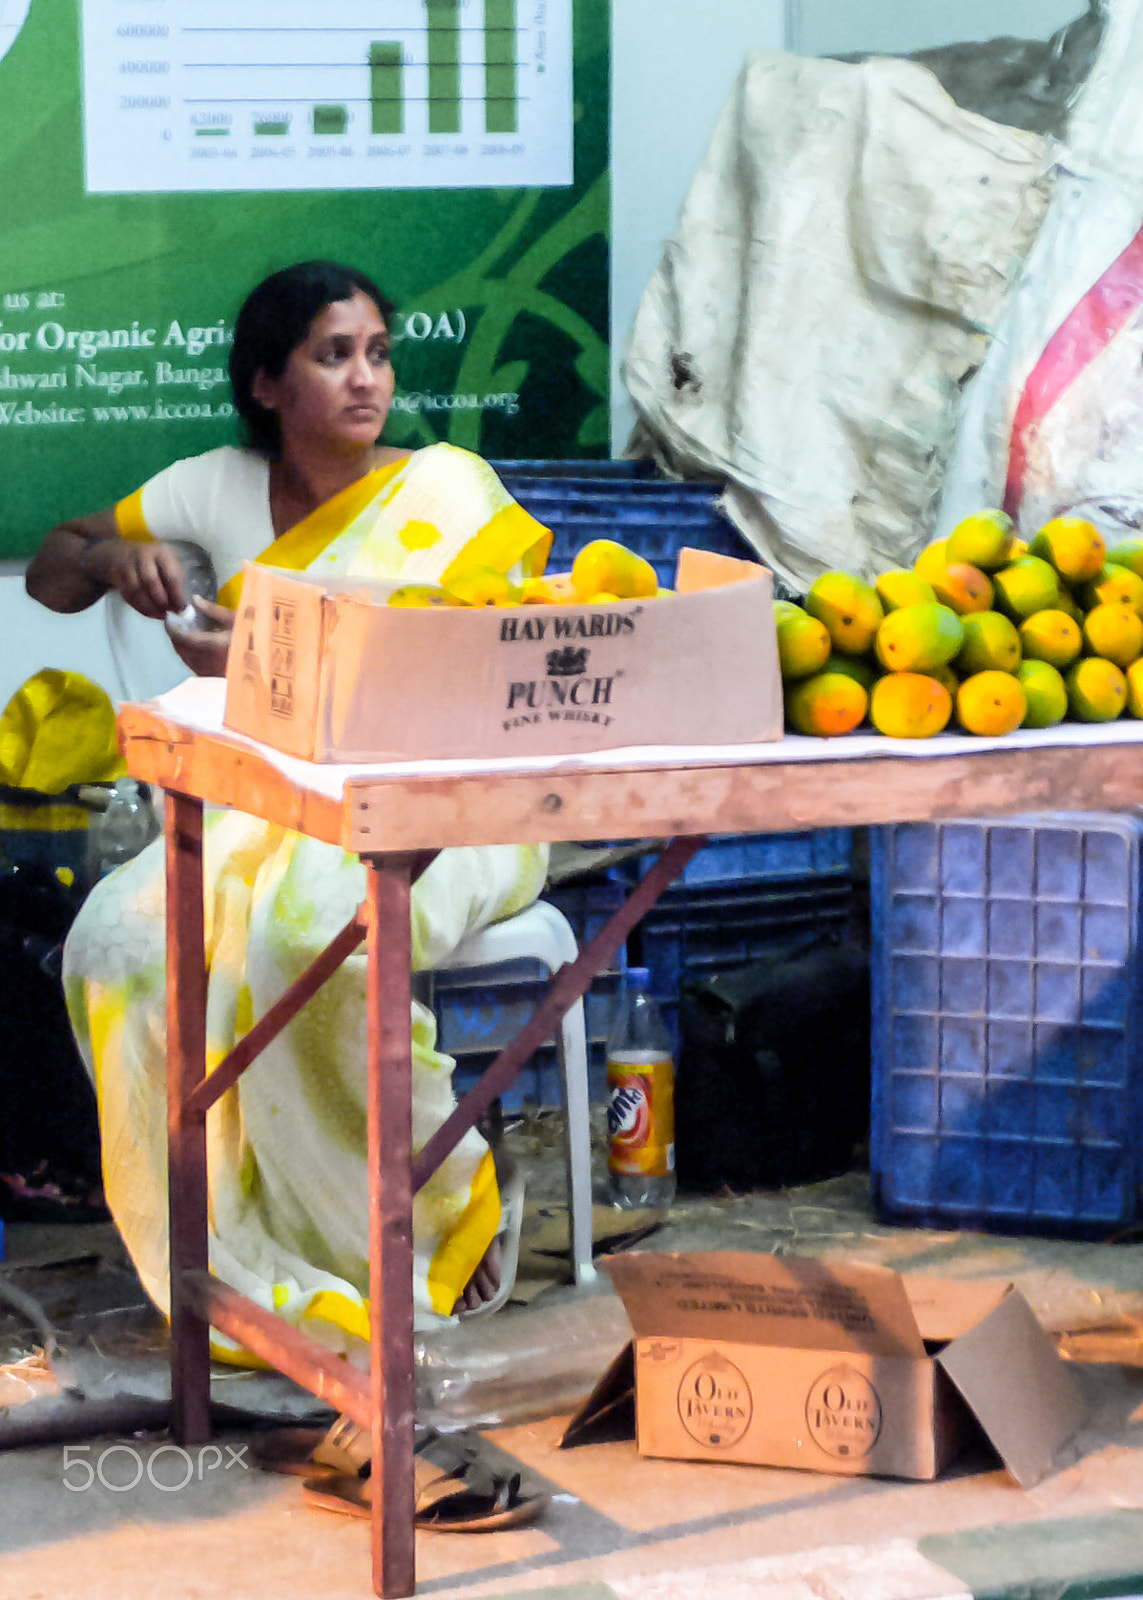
[{"x": 640, "y": 1114}]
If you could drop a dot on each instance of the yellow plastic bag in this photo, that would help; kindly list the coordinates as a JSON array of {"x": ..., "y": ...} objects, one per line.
[{"x": 57, "y": 730}]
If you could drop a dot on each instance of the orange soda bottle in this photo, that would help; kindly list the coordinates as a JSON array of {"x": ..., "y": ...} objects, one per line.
[{"x": 640, "y": 1101}]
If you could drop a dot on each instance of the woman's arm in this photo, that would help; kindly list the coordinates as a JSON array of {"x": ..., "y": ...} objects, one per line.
[{"x": 81, "y": 559}]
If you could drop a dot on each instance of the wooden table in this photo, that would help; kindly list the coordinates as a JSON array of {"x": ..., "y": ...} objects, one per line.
[{"x": 396, "y": 817}]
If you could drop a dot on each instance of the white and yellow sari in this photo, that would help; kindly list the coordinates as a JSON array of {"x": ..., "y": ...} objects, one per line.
[{"x": 286, "y": 1145}]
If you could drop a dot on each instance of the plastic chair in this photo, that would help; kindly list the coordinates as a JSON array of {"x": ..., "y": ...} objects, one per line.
[{"x": 541, "y": 936}]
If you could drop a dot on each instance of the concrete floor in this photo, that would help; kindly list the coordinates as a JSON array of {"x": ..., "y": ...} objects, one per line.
[{"x": 121, "y": 1512}]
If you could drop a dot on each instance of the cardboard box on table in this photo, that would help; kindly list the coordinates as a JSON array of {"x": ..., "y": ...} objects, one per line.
[
  {"x": 323, "y": 668},
  {"x": 792, "y": 1362}
]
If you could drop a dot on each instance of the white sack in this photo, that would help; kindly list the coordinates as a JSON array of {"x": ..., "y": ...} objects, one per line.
[
  {"x": 1090, "y": 444},
  {"x": 843, "y": 255}
]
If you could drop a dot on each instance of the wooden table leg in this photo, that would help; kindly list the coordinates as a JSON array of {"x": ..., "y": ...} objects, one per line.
[
  {"x": 186, "y": 1131},
  {"x": 391, "y": 1222}
]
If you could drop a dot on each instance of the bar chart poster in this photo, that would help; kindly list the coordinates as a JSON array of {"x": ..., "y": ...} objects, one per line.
[
  {"x": 250, "y": 94},
  {"x": 469, "y": 184}
]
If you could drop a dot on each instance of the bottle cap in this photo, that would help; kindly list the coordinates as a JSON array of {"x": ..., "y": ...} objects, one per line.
[{"x": 639, "y": 977}]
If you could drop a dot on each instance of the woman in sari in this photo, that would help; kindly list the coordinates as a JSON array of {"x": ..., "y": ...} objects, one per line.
[{"x": 313, "y": 490}]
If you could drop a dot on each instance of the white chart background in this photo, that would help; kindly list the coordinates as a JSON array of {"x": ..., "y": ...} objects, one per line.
[
  {"x": 12, "y": 14},
  {"x": 154, "y": 72}
]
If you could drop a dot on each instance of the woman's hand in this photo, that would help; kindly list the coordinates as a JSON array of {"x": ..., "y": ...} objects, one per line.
[
  {"x": 80, "y": 560},
  {"x": 148, "y": 575},
  {"x": 204, "y": 648}
]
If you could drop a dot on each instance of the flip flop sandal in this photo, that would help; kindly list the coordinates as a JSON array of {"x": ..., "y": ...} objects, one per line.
[
  {"x": 479, "y": 1510},
  {"x": 343, "y": 1448},
  {"x": 484, "y": 1509},
  {"x": 346, "y": 1447},
  {"x": 344, "y": 1453}
]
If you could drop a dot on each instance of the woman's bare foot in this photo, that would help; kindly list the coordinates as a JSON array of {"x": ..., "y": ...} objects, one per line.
[{"x": 485, "y": 1281}]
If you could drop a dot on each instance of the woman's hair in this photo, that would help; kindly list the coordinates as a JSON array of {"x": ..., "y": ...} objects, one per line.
[{"x": 274, "y": 320}]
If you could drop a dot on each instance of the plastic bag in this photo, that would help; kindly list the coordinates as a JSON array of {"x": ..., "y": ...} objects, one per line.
[
  {"x": 843, "y": 255},
  {"x": 1054, "y": 419},
  {"x": 57, "y": 730},
  {"x": 496, "y": 1371}
]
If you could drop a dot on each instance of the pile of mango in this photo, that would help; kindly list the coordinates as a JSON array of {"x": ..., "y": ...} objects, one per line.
[
  {"x": 603, "y": 571},
  {"x": 984, "y": 632}
]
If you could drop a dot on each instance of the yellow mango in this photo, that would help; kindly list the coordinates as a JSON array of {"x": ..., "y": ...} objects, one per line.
[
  {"x": 963, "y": 588},
  {"x": 899, "y": 587},
  {"x": 983, "y": 540},
  {"x": 1074, "y": 546},
  {"x": 990, "y": 704},
  {"x": 826, "y": 705},
  {"x": 918, "y": 638},
  {"x": 849, "y": 608},
  {"x": 803, "y": 646},
  {"x": 991, "y": 644},
  {"x": 1127, "y": 553},
  {"x": 1114, "y": 632},
  {"x": 1026, "y": 586},
  {"x": 932, "y": 559},
  {"x": 606, "y": 567},
  {"x": 1051, "y": 636},
  {"x": 1045, "y": 694},
  {"x": 555, "y": 589},
  {"x": 1097, "y": 690},
  {"x": 1112, "y": 583},
  {"x": 909, "y": 705}
]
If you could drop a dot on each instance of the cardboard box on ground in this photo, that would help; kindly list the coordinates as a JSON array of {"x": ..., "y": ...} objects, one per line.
[
  {"x": 325, "y": 669},
  {"x": 795, "y": 1362}
]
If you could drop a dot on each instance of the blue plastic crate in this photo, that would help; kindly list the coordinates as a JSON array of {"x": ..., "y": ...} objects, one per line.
[
  {"x": 753, "y": 859},
  {"x": 638, "y": 500},
  {"x": 655, "y": 517},
  {"x": 588, "y": 903},
  {"x": 478, "y": 1018},
  {"x": 1006, "y": 1013},
  {"x": 488, "y": 1008},
  {"x": 581, "y": 468}
]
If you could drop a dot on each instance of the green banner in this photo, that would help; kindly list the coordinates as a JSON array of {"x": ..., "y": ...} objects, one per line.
[{"x": 157, "y": 160}]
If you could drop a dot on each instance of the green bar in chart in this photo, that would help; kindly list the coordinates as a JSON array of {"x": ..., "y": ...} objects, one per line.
[
  {"x": 211, "y": 133},
  {"x": 501, "y": 106},
  {"x": 443, "y": 19},
  {"x": 386, "y": 89},
  {"x": 272, "y": 130},
  {"x": 330, "y": 120}
]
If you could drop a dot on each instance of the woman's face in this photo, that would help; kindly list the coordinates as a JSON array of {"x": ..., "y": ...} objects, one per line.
[{"x": 337, "y": 385}]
